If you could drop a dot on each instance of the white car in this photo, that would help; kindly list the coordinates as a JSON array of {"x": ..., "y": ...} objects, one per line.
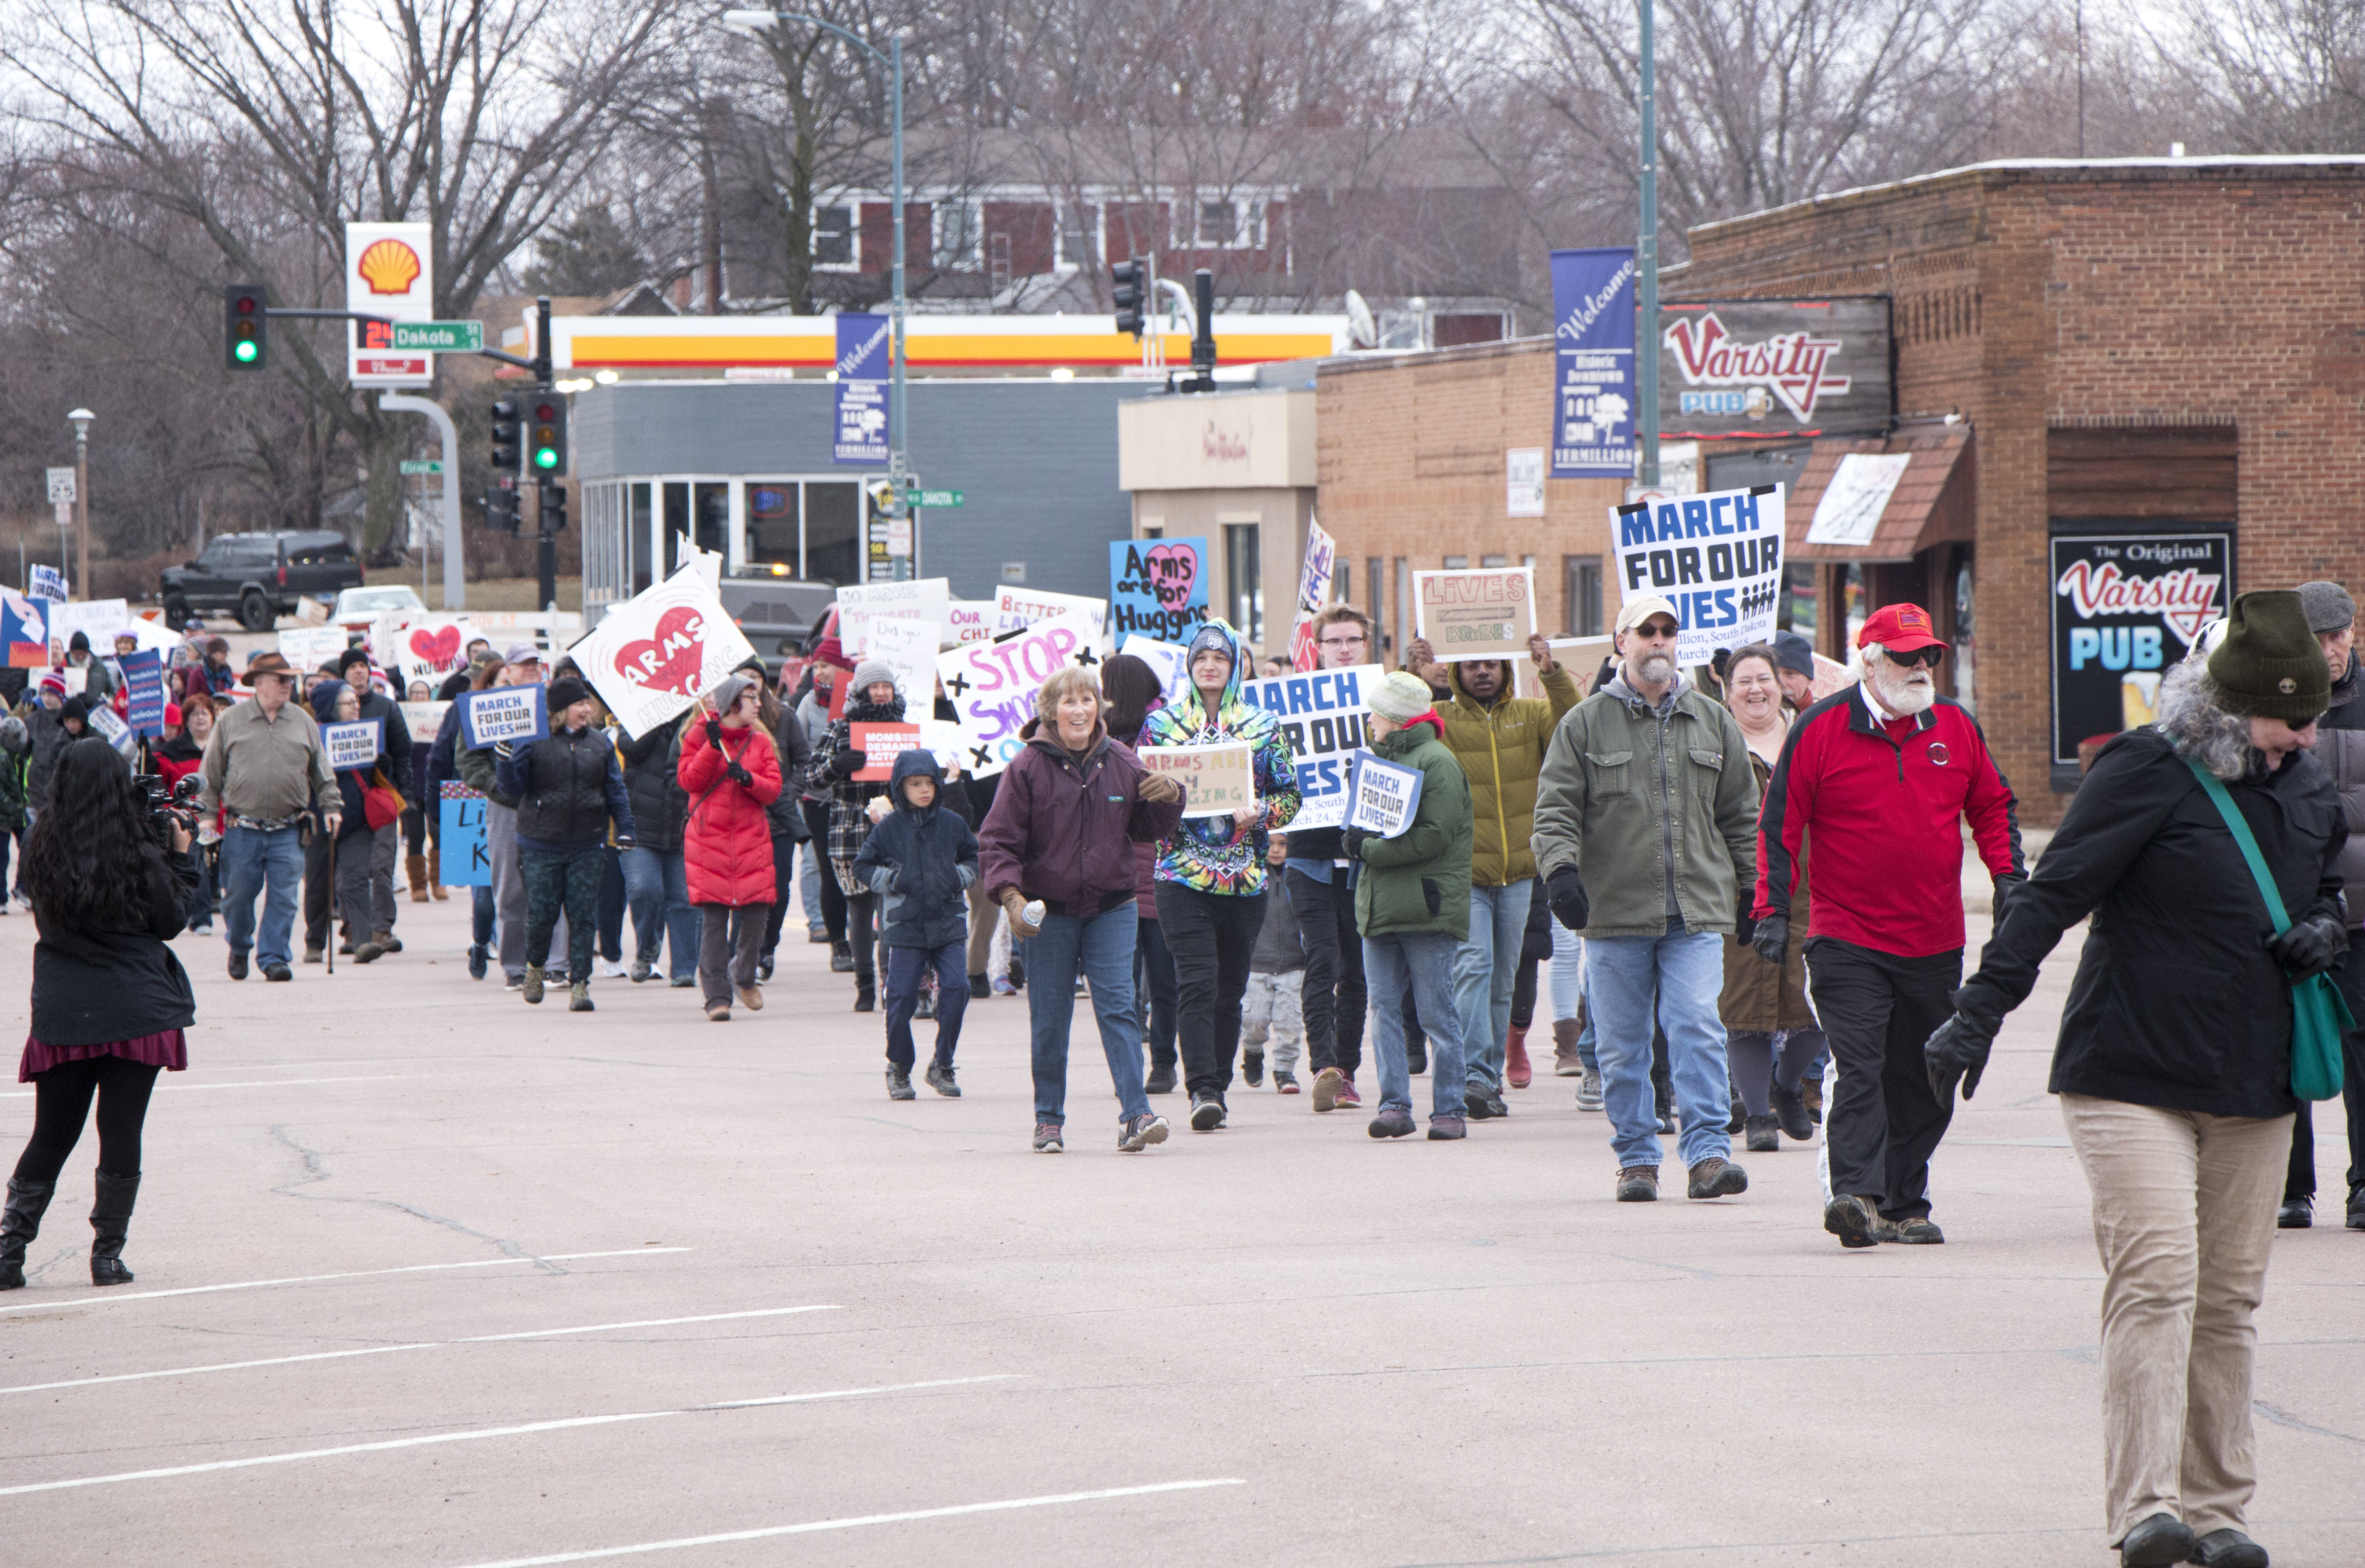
[{"x": 357, "y": 607}]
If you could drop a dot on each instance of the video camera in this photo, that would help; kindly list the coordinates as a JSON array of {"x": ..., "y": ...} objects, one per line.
[{"x": 169, "y": 805}]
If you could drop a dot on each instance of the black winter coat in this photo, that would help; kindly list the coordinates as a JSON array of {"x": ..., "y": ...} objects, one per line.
[
  {"x": 653, "y": 780},
  {"x": 93, "y": 987},
  {"x": 568, "y": 786},
  {"x": 921, "y": 863},
  {"x": 2175, "y": 1002}
]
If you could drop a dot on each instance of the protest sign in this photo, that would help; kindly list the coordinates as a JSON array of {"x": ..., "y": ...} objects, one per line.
[
  {"x": 1488, "y": 613},
  {"x": 423, "y": 721},
  {"x": 659, "y": 651},
  {"x": 112, "y": 730},
  {"x": 1323, "y": 713},
  {"x": 1384, "y": 795},
  {"x": 47, "y": 582},
  {"x": 353, "y": 744},
  {"x": 1216, "y": 779},
  {"x": 881, "y": 744},
  {"x": 502, "y": 714},
  {"x": 909, "y": 648},
  {"x": 466, "y": 861},
  {"x": 1016, "y": 608},
  {"x": 77, "y": 680},
  {"x": 25, "y": 629},
  {"x": 859, "y": 604},
  {"x": 1312, "y": 593},
  {"x": 993, "y": 685},
  {"x": 425, "y": 647},
  {"x": 149, "y": 632},
  {"x": 969, "y": 621},
  {"x": 1716, "y": 558},
  {"x": 97, "y": 619},
  {"x": 143, "y": 690},
  {"x": 310, "y": 647},
  {"x": 1158, "y": 587},
  {"x": 1171, "y": 661}
]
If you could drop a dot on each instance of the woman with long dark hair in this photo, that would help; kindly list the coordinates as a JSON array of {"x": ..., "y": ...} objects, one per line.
[
  {"x": 111, "y": 1001},
  {"x": 1132, "y": 689}
]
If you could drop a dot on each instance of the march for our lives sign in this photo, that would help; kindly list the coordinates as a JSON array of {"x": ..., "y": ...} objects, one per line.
[
  {"x": 143, "y": 690},
  {"x": 502, "y": 714},
  {"x": 1716, "y": 558},
  {"x": 352, "y": 745},
  {"x": 1384, "y": 795},
  {"x": 1323, "y": 713},
  {"x": 1593, "y": 364}
]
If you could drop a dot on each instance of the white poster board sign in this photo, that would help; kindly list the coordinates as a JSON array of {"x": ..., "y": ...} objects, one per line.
[
  {"x": 993, "y": 685},
  {"x": 969, "y": 621},
  {"x": 1717, "y": 557},
  {"x": 1323, "y": 713},
  {"x": 424, "y": 720},
  {"x": 97, "y": 618},
  {"x": 923, "y": 599},
  {"x": 1849, "y": 511},
  {"x": 1017, "y": 607},
  {"x": 656, "y": 654},
  {"x": 310, "y": 647},
  {"x": 909, "y": 648}
]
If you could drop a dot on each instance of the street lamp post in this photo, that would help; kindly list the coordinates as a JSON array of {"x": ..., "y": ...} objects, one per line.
[
  {"x": 81, "y": 419},
  {"x": 758, "y": 23},
  {"x": 1646, "y": 255}
]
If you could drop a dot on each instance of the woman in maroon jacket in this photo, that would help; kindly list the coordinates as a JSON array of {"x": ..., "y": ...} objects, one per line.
[
  {"x": 731, "y": 772},
  {"x": 1058, "y": 846}
]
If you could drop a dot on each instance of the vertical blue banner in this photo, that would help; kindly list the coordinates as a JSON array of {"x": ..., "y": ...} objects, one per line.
[
  {"x": 1593, "y": 364},
  {"x": 143, "y": 691},
  {"x": 862, "y": 370}
]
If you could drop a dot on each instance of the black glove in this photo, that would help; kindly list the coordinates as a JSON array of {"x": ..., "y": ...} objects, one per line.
[
  {"x": 738, "y": 775},
  {"x": 847, "y": 763},
  {"x": 624, "y": 841},
  {"x": 1744, "y": 924},
  {"x": 2310, "y": 946},
  {"x": 1565, "y": 889},
  {"x": 2007, "y": 892},
  {"x": 713, "y": 730},
  {"x": 1353, "y": 840},
  {"x": 1772, "y": 939},
  {"x": 1958, "y": 1048}
]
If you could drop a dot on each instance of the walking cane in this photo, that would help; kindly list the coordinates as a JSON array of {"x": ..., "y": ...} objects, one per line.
[{"x": 331, "y": 943}]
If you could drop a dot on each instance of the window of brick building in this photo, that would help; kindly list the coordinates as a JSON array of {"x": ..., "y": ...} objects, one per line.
[
  {"x": 1580, "y": 596},
  {"x": 832, "y": 237}
]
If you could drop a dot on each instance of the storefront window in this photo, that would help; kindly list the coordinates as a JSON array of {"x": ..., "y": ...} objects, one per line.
[
  {"x": 677, "y": 522},
  {"x": 636, "y": 536},
  {"x": 1243, "y": 569},
  {"x": 714, "y": 518},
  {"x": 1581, "y": 591},
  {"x": 833, "y": 531},
  {"x": 774, "y": 515}
]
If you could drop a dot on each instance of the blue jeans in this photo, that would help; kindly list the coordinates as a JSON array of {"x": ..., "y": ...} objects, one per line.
[
  {"x": 809, "y": 888},
  {"x": 656, "y": 890},
  {"x": 1687, "y": 973},
  {"x": 906, "y": 969},
  {"x": 1101, "y": 947},
  {"x": 610, "y": 916},
  {"x": 1486, "y": 968},
  {"x": 1426, "y": 960},
  {"x": 271, "y": 864},
  {"x": 482, "y": 913}
]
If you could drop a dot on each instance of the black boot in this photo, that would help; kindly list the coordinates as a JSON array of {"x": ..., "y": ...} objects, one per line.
[
  {"x": 27, "y": 1202},
  {"x": 110, "y": 1217},
  {"x": 841, "y": 958},
  {"x": 866, "y": 994}
]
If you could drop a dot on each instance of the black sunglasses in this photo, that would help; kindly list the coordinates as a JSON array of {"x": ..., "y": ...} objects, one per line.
[{"x": 1929, "y": 656}]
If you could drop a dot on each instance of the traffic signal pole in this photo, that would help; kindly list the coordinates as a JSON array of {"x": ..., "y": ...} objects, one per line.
[{"x": 546, "y": 565}]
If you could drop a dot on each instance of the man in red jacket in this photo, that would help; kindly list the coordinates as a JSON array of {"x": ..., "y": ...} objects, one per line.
[{"x": 1880, "y": 776}]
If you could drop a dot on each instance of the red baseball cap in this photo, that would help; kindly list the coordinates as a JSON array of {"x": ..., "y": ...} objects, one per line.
[{"x": 1903, "y": 627}]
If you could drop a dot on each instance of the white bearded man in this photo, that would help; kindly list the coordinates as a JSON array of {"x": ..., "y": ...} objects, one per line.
[{"x": 1879, "y": 778}]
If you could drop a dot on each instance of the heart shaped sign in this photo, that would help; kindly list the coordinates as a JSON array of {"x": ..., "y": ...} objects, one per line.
[
  {"x": 1173, "y": 572},
  {"x": 672, "y": 660},
  {"x": 438, "y": 649}
]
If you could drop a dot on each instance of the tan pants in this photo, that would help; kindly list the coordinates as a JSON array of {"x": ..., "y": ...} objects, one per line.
[
  {"x": 2184, "y": 1218},
  {"x": 982, "y": 912}
]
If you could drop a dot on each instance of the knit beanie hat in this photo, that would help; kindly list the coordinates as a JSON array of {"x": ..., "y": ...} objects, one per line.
[
  {"x": 565, "y": 693},
  {"x": 2270, "y": 667},
  {"x": 1402, "y": 698},
  {"x": 870, "y": 670}
]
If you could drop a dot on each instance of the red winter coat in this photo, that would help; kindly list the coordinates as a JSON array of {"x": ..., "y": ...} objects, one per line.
[{"x": 726, "y": 844}]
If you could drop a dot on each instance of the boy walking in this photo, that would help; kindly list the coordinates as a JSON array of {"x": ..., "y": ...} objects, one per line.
[
  {"x": 920, "y": 860},
  {"x": 1270, "y": 1010}
]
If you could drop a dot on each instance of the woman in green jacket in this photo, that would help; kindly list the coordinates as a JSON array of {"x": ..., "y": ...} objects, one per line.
[{"x": 1412, "y": 904}]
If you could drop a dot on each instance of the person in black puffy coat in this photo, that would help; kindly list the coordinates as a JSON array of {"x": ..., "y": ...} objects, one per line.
[
  {"x": 568, "y": 787},
  {"x": 657, "y": 880},
  {"x": 921, "y": 861}
]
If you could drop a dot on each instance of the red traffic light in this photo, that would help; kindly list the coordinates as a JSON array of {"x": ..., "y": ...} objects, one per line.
[
  {"x": 545, "y": 411},
  {"x": 246, "y": 305}
]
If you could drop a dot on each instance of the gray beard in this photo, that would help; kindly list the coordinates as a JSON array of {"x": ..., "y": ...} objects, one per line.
[{"x": 1657, "y": 670}]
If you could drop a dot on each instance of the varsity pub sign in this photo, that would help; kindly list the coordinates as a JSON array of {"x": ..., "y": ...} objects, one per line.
[
  {"x": 1735, "y": 369},
  {"x": 2126, "y": 607}
]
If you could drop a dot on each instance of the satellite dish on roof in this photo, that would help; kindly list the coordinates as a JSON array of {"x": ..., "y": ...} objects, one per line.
[{"x": 1361, "y": 330}]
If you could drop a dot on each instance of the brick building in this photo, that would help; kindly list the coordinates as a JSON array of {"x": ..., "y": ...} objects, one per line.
[{"x": 2118, "y": 385}]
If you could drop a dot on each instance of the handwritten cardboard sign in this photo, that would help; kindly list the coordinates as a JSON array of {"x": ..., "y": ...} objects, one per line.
[
  {"x": 659, "y": 651},
  {"x": 424, "y": 720},
  {"x": 909, "y": 648},
  {"x": 1487, "y": 613},
  {"x": 1016, "y": 608},
  {"x": 859, "y": 604},
  {"x": 1158, "y": 587},
  {"x": 310, "y": 647},
  {"x": 1216, "y": 779},
  {"x": 465, "y": 859}
]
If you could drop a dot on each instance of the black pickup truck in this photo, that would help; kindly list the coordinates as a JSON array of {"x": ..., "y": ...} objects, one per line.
[
  {"x": 258, "y": 577},
  {"x": 776, "y": 615}
]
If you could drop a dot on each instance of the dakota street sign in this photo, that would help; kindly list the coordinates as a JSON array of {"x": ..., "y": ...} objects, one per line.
[
  {"x": 440, "y": 337},
  {"x": 937, "y": 498}
]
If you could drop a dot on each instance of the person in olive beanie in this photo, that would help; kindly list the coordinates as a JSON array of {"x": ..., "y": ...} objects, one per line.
[{"x": 2173, "y": 1062}]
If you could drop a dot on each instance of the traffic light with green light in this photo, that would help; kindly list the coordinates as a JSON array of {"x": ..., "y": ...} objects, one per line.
[
  {"x": 246, "y": 329},
  {"x": 546, "y": 445}
]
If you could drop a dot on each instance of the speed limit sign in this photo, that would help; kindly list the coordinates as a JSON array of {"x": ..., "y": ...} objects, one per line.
[{"x": 62, "y": 485}]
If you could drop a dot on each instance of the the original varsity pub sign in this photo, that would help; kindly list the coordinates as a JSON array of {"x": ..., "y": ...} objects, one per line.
[
  {"x": 2128, "y": 606},
  {"x": 1735, "y": 369}
]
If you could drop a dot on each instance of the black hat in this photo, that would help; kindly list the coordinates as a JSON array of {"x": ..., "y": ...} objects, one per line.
[
  {"x": 565, "y": 692},
  {"x": 78, "y": 642},
  {"x": 2270, "y": 665},
  {"x": 1792, "y": 652}
]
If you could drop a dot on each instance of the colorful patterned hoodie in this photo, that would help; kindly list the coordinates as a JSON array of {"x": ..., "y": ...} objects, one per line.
[{"x": 1211, "y": 854}]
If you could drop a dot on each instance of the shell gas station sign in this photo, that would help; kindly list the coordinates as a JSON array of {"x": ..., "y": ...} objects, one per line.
[{"x": 390, "y": 273}]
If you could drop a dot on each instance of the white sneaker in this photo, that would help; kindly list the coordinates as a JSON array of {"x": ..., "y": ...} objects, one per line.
[
  {"x": 610, "y": 969},
  {"x": 517, "y": 984}
]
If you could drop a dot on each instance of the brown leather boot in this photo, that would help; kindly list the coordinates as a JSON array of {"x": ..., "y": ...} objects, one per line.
[
  {"x": 416, "y": 866},
  {"x": 1566, "y": 1063},
  {"x": 1515, "y": 1072}
]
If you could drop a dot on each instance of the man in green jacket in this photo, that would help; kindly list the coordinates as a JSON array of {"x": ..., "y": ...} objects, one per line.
[
  {"x": 1499, "y": 741},
  {"x": 1412, "y": 905},
  {"x": 1646, "y": 829}
]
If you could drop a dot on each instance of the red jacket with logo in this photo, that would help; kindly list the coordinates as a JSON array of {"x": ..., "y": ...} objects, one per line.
[{"x": 1881, "y": 800}]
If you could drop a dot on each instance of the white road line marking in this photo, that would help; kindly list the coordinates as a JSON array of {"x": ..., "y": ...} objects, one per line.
[
  {"x": 112, "y": 1297},
  {"x": 248, "y": 1083},
  {"x": 858, "y": 1522},
  {"x": 418, "y": 1345},
  {"x": 483, "y": 1432}
]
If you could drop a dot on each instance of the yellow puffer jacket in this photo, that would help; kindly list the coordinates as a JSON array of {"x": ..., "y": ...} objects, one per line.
[{"x": 1501, "y": 750}]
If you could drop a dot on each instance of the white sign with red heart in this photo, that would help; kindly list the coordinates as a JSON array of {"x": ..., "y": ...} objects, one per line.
[{"x": 654, "y": 656}]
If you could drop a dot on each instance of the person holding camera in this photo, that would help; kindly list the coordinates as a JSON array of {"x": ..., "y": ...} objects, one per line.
[{"x": 109, "y": 877}]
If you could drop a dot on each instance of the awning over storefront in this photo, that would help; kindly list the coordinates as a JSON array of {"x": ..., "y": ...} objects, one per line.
[{"x": 1932, "y": 502}]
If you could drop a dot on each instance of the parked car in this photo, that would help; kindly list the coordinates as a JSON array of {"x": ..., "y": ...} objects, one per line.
[
  {"x": 357, "y": 607},
  {"x": 260, "y": 576},
  {"x": 778, "y": 614}
]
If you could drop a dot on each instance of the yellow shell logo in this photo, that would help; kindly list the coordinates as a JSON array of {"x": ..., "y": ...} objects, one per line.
[{"x": 388, "y": 267}]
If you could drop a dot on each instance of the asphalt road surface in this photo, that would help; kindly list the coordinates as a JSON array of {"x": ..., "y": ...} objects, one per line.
[{"x": 427, "y": 1276}]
